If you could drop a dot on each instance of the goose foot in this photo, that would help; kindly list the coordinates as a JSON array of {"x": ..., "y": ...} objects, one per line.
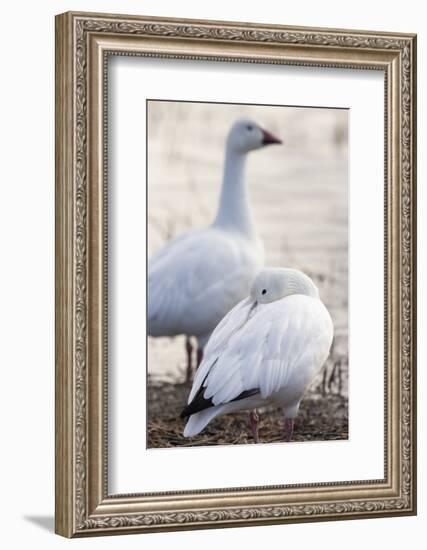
[
  {"x": 289, "y": 428},
  {"x": 253, "y": 421},
  {"x": 189, "y": 350}
]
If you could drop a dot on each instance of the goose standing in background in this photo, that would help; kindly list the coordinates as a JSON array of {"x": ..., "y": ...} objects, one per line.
[
  {"x": 266, "y": 351},
  {"x": 200, "y": 275}
]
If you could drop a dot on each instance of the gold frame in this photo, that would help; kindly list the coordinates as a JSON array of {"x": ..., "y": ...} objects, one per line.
[{"x": 83, "y": 42}]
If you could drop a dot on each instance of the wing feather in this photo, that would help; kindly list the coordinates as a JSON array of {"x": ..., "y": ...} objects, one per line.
[
  {"x": 195, "y": 280},
  {"x": 218, "y": 341},
  {"x": 266, "y": 349}
]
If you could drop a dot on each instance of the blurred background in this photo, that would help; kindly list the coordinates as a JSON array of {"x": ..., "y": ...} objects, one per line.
[{"x": 299, "y": 196}]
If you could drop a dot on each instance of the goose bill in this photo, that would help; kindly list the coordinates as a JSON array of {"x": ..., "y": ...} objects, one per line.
[{"x": 269, "y": 139}]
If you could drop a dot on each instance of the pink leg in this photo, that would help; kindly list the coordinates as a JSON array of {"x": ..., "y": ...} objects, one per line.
[
  {"x": 199, "y": 357},
  {"x": 289, "y": 428},
  {"x": 189, "y": 350},
  {"x": 253, "y": 421}
]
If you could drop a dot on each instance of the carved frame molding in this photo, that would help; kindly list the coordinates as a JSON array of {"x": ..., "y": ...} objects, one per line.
[{"x": 83, "y": 43}]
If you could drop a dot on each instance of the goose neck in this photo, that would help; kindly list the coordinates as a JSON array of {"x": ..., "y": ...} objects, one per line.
[{"x": 234, "y": 210}]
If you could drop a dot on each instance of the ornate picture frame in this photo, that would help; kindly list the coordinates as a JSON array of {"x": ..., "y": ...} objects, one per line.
[{"x": 83, "y": 43}]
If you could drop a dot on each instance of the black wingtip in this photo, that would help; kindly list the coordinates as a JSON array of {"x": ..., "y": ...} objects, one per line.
[
  {"x": 198, "y": 404},
  {"x": 184, "y": 412}
]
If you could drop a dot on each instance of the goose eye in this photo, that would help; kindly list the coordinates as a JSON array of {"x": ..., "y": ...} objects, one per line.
[
  {"x": 249, "y": 127},
  {"x": 264, "y": 291}
]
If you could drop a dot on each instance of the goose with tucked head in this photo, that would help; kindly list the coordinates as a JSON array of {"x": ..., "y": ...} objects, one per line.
[
  {"x": 196, "y": 279},
  {"x": 276, "y": 283},
  {"x": 266, "y": 351}
]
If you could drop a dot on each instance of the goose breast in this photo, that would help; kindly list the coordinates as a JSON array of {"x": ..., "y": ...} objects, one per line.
[{"x": 196, "y": 279}]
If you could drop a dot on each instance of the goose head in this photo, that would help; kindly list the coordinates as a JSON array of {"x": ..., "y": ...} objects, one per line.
[
  {"x": 246, "y": 135},
  {"x": 272, "y": 284}
]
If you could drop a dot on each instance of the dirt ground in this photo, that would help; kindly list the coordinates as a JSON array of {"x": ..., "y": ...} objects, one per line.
[{"x": 321, "y": 418}]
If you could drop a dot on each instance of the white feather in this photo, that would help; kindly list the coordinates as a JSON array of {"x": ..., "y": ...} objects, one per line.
[
  {"x": 275, "y": 348},
  {"x": 197, "y": 280}
]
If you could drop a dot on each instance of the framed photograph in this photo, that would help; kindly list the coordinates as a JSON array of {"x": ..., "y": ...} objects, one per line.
[{"x": 235, "y": 274}]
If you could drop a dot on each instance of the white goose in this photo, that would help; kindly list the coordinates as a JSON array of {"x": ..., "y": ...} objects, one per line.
[
  {"x": 200, "y": 275},
  {"x": 266, "y": 351}
]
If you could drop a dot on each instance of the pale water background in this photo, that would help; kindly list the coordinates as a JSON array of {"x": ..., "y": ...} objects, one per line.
[{"x": 299, "y": 196}]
